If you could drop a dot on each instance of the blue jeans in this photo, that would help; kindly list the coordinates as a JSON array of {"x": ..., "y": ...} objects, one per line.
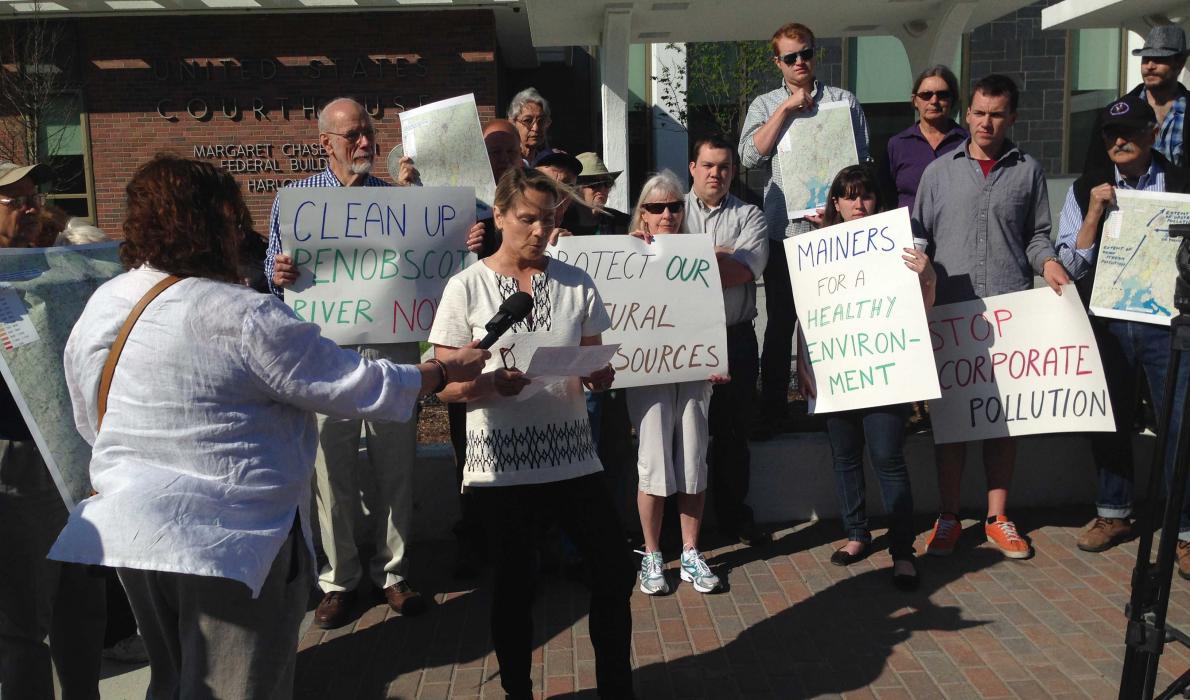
[
  {"x": 883, "y": 429},
  {"x": 1129, "y": 348}
]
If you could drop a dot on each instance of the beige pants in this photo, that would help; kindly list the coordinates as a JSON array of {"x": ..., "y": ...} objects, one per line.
[
  {"x": 671, "y": 423},
  {"x": 372, "y": 499}
]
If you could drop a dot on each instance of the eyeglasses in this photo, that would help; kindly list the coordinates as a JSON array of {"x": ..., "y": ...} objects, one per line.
[
  {"x": 599, "y": 184},
  {"x": 530, "y": 122},
  {"x": 658, "y": 207},
  {"x": 927, "y": 95},
  {"x": 354, "y": 135},
  {"x": 1113, "y": 132},
  {"x": 24, "y": 201},
  {"x": 806, "y": 54},
  {"x": 507, "y": 358}
]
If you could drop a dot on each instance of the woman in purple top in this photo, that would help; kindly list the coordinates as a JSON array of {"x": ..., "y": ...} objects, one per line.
[{"x": 934, "y": 95}]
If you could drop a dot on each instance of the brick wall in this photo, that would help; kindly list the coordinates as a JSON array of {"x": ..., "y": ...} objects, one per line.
[
  {"x": 259, "y": 81},
  {"x": 1016, "y": 46}
]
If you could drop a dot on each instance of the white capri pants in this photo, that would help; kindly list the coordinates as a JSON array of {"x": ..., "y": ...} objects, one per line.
[{"x": 671, "y": 424}]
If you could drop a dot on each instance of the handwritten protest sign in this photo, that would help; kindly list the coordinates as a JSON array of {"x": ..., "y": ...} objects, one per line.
[
  {"x": 42, "y": 294},
  {"x": 861, "y": 314},
  {"x": 373, "y": 261},
  {"x": 813, "y": 149},
  {"x": 665, "y": 301},
  {"x": 445, "y": 141},
  {"x": 1136, "y": 266},
  {"x": 1017, "y": 364}
]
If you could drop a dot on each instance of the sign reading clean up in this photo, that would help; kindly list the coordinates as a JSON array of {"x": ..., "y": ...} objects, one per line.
[
  {"x": 373, "y": 261},
  {"x": 861, "y": 314},
  {"x": 1017, "y": 364},
  {"x": 665, "y": 301}
]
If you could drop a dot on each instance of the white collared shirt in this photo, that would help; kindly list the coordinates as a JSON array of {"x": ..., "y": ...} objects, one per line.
[{"x": 208, "y": 443}]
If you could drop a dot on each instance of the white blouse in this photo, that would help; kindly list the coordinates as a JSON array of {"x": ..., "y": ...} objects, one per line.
[
  {"x": 208, "y": 443},
  {"x": 547, "y": 437}
]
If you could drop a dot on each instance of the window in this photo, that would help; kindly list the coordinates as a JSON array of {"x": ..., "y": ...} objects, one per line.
[
  {"x": 62, "y": 140},
  {"x": 1094, "y": 82}
]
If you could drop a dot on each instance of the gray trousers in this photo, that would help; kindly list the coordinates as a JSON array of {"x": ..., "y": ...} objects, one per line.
[
  {"x": 208, "y": 638},
  {"x": 385, "y": 489},
  {"x": 39, "y": 597}
]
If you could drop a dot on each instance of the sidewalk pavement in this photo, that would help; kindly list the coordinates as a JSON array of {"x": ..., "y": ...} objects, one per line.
[{"x": 791, "y": 626}]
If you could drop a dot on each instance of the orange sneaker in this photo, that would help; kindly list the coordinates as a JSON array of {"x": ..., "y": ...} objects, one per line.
[
  {"x": 1002, "y": 533},
  {"x": 945, "y": 535}
]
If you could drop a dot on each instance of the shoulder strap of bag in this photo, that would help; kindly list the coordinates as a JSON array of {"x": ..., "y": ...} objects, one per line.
[{"x": 109, "y": 367}]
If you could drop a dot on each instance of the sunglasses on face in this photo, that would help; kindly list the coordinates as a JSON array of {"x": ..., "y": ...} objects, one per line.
[
  {"x": 658, "y": 207},
  {"x": 927, "y": 95},
  {"x": 806, "y": 54},
  {"x": 1128, "y": 133},
  {"x": 599, "y": 184},
  {"x": 24, "y": 201}
]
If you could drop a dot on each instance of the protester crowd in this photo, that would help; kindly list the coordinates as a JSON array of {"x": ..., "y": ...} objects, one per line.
[{"x": 212, "y": 458}]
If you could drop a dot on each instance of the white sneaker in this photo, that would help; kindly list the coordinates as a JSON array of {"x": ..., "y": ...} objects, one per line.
[
  {"x": 695, "y": 570},
  {"x": 652, "y": 574}
]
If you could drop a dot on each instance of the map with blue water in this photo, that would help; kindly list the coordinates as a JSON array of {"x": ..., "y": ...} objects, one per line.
[{"x": 812, "y": 151}]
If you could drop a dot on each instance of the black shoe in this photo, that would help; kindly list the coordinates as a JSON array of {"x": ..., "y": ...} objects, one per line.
[
  {"x": 906, "y": 582},
  {"x": 842, "y": 557}
]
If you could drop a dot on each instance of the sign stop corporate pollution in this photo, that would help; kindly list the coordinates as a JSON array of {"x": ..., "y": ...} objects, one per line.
[
  {"x": 1017, "y": 364},
  {"x": 665, "y": 301},
  {"x": 861, "y": 314},
  {"x": 373, "y": 261}
]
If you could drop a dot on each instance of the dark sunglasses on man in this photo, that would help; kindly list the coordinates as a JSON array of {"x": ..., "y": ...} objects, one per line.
[
  {"x": 658, "y": 207},
  {"x": 806, "y": 55},
  {"x": 927, "y": 95},
  {"x": 1113, "y": 132}
]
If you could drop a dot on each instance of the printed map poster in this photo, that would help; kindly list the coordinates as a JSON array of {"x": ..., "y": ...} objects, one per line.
[
  {"x": 1136, "y": 268},
  {"x": 42, "y": 294},
  {"x": 1017, "y": 364},
  {"x": 373, "y": 261},
  {"x": 861, "y": 313},
  {"x": 445, "y": 141},
  {"x": 665, "y": 301},
  {"x": 810, "y": 154}
]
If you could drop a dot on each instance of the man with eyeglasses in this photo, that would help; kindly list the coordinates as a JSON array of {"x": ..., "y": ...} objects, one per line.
[
  {"x": 38, "y": 597},
  {"x": 1162, "y": 59},
  {"x": 768, "y": 118},
  {"x": 595, "y": 183},
  {"x": 1128, "y": 137},
  {"x": 742, "y": 248},
  {"x": 348, "y": 137}
]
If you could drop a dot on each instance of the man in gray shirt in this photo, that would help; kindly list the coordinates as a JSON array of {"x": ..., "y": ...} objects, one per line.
[
  {"x": 742, "y": 248},
  {"x": 769, "y": 117},
  {"x": 985, "y": 210}
]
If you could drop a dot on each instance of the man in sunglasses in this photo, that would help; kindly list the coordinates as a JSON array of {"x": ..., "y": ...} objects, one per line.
[
  {"x": 1162, "y": 59},
  {"x": 742, "y": 248},
  {"x": 595, "y": 183},
  {"x": 768, "y": 118},
  {"x": 1129, "y": 135},
  {"x": 38, "y": 597},
  {"x": 348, "y": 137}
]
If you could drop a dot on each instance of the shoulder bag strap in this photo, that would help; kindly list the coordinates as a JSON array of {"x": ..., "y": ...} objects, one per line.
[{"x": 109, "y": 367}]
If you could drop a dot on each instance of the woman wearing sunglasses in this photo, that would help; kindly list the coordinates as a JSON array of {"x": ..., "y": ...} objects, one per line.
[
  {"x": 854, "y": 195},
  {"x": 935, "y": 94},
  {"x": 671, "y": 425}
]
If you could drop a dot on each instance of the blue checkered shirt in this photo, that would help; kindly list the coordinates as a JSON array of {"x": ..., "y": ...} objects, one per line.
[
  {"x": 1169, "y": 137},
  {"x": 1079, "y": 261},
  {"x": 759, "y": 112},
  {"x": 326, "y": 178}
]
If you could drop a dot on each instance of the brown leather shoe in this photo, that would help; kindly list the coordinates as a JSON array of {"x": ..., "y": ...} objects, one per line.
[
  {"x": 334, "y": 609},
  {"x": 404, "y": 600},
  {"x": 1104, "y": 533},
  {"x": 1183, "y": 554}
]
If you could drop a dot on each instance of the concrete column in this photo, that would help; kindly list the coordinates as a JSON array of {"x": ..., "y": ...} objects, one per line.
[
  {"x": 929, "y": 42},
  {"x": 613, "y": 71},
  {"x": 670, "y": 136}
]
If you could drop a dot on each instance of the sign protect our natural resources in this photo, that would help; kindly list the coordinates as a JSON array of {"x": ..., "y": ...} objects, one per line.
[
  {"x": 665, "y": 301},
  {"x": 861, "y": 314},
  {"x": 373, "y": 261}
]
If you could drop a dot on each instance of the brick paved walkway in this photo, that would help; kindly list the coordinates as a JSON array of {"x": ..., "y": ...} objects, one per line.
[{"x": 791, "y": 626}]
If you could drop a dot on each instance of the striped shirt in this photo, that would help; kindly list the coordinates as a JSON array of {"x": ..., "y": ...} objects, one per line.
[
  {"x": 1169, "y": 137},
  {"x": 1079, "y": 261},
  {"x": 326, "y": 178},
  {"x": 759, "y": 112}
]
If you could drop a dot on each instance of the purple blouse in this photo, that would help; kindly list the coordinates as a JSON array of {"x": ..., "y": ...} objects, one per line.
[{"x": 909, "y": 153}]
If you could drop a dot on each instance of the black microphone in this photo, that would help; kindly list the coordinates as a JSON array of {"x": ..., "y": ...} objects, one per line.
[{"x": 514, "y": 310}]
